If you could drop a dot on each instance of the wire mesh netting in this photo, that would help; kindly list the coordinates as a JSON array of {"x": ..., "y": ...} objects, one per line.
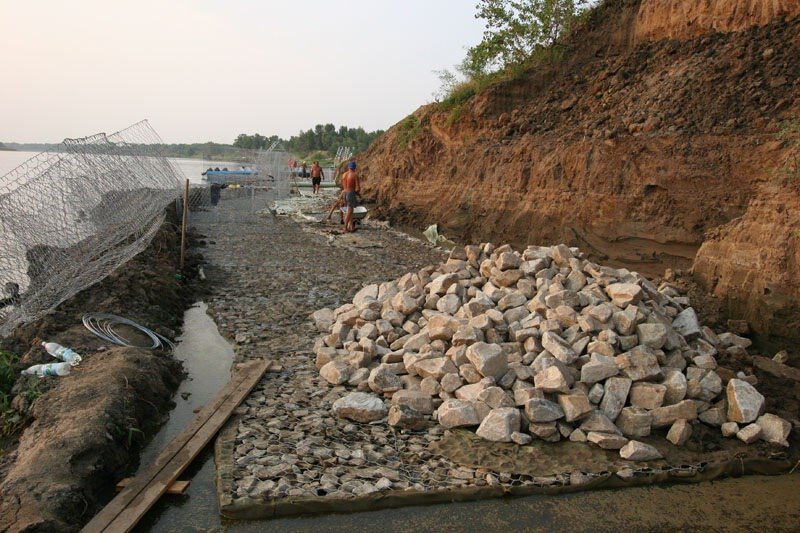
[
  {"x": 71, "y": 216},
  {"x": 239, "y": 196}
]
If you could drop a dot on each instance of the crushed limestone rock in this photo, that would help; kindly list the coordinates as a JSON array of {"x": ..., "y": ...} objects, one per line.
[{"x": 539, "y": 344}]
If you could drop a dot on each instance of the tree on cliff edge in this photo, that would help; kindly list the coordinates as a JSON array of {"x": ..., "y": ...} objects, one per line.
[{"x": 515, "y": 29}]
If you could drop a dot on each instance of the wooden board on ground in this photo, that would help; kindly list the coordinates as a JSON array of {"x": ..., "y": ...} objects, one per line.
[
  {"x": 177, "y": 488},
  {"x": 124, "y": 511}
]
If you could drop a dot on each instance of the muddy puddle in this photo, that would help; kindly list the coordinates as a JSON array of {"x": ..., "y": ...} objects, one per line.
[{"x": 207, "y": 359}]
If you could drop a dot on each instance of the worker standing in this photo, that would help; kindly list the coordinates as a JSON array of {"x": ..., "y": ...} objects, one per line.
[
  {"x": 317, "y": 175},
  {"x": 350, "y": 187}
]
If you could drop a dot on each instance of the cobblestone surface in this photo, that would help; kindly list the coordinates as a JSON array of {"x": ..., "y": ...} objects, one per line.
[{"x": 266, "y": 275}]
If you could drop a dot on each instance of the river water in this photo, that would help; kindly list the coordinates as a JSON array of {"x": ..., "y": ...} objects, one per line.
[{"x": 191, "y": 168}]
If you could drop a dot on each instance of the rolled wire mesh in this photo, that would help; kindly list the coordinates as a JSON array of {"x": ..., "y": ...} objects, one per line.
[{"x": 71, "y": 216}]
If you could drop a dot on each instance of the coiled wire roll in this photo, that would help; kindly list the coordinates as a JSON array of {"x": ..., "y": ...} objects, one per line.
[{"x": 102, "y": 325}]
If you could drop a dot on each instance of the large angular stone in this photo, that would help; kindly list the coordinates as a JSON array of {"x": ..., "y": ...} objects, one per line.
[
  {"x": 552, "y": 379},
  {"x": 667, "y": 415},
  {"x": 381, "y": 379},
  {"x": 500, "y": 424},
  {"x": 597, "y": 421},
  {"x": 558, "y": 347},
  {"x": 639, "y": 364},
  {"x": 575, "y": 405},
  {"x": 727, "y": 340},
  {"x": 466, "y": 335},
  {"x": 403, "y": 302},
  {"x": 623, "y": 294},
  {"x": 539, "y": 410},
  {"x": 507, "y": 260},
  {"x": 675, "y": 383},
  {"x": 774, "y": 429},
  {"x": 440, "y": 284},
  {"x": 365, "y": 296},
  {"x": 512, "y": 300},
  {"x": 607, "y": 441},
  {"x": 449, "y": 304},
  {"x": 749, "y": 434},
  {"x": 495, "y": 397},
  {"x": 687, "y": 324},
  {"x": 716, "y": 415},
  {"x": 647, "y": 395},
  {"x": 360, "y": 406},
  {"x": 323, "y": 319},
  {"x": 472, "y": 391},
  {"x": 710, "y": 386},
  {"x": 561, "y": 255},
  {"x": 488, "y": 359},
  {"x": 680, "y": 432},
  {"x": 457, "y": 413},
  {"x": 559, "y": 298},
  {"x": 599, "y": 368},
  {"x": 416, "y": 400},
  {"x": 639, "y": 451},
  {"x": 548, "y": 431},
  {"x": 652, "y": 335},
  {"x": 403, "y": 416},
  {"x": 745, "y": 403},
  {"x": 506, "y": 278},
  {"x": 442, "y": 327},
  {"x": 336, "y": 372},
  {"x": 634, "y": 422},
  {"x": 451, "y": 382},
  {"x": 414, "y": 342},
  {"x": 625, "y": 321},
  {"x": 435, "y": 367},
  {"x": 615, "y": 394}
]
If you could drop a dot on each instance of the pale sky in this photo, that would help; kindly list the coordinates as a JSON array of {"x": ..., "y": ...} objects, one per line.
[{"x": 205, "y": 70}]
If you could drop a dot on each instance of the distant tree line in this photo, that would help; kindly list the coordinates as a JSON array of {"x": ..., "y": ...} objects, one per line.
[{"x": 326, "y": 138}]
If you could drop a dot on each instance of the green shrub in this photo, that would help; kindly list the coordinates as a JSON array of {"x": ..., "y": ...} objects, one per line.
[{"x": 409, "y": 128}]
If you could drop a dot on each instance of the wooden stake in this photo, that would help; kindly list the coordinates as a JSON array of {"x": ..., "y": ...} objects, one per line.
[{"x": 183, "y": 222}]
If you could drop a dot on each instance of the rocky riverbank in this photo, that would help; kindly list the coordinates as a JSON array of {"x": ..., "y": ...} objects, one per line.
[{"x": 287, "y": 446}]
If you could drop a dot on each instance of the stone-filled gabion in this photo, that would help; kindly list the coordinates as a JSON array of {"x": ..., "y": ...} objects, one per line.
[{"x": 541, "y": 344}]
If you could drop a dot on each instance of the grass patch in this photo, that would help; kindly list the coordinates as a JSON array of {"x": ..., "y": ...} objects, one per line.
[{"x": 409, "y": 128}]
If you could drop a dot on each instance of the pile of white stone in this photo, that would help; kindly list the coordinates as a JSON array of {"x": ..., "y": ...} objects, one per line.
[{"x": 541, "y": 344}]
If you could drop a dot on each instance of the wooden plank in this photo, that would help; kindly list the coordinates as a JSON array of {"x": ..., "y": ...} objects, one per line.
[
  {"x": 176, "y": 489},
  {"x": 124, "y": 511}
]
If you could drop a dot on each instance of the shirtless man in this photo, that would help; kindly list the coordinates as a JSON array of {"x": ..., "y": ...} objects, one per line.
[
  {"x": 350, "y": 187},
  {"x": 317, "y": 175}
]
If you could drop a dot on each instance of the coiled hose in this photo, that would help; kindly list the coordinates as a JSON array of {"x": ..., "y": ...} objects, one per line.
[{"x": 102, "y": 325}]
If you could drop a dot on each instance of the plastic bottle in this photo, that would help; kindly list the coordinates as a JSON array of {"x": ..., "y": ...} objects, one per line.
[
  {"x": 50, "y": 369},
  {"x": 61, "y": 352}
]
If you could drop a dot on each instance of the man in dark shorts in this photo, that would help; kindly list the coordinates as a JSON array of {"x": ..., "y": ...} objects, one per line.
[
  {"x": 317, "y": 175},
  {"x": 350, "y": 187}
]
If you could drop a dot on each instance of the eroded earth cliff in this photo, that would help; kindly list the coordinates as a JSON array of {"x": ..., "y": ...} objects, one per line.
[{"x": 655, "y": 133}]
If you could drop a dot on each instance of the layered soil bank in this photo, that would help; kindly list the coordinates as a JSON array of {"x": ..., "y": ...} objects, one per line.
[
  {"x": 633, "y": 147},
  {"x": 85, "y": 430},
  {"x": 667, "y": 19}
]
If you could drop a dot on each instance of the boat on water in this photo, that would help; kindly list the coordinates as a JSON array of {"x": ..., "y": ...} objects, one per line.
[{"x": 230, "y": 177}]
